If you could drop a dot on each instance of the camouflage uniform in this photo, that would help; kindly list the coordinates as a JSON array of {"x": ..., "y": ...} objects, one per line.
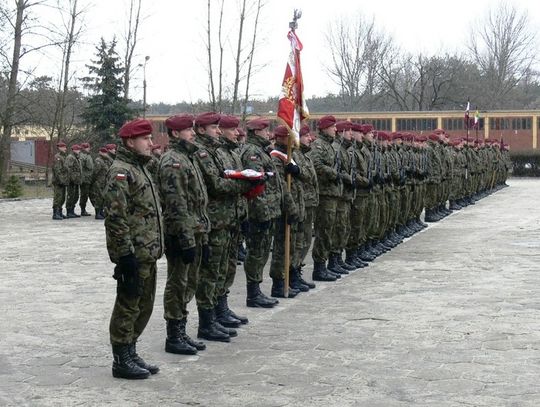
[
  {"x": 133, "y": 227},
  {"x": 102, "y": 164},
  {"x": 222, "y": 211},
  {"x": 60, "y": 180},
  {"x": 185, "y": 200},
  {"x": 263, "y": 209},
  {"x": 87, "y": 168},
  {"x": 73, "y": 165},
  {"x": 153, "y": 166}
]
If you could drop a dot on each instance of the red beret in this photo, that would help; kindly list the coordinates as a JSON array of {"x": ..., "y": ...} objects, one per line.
[
  {"x": 229, "y": 122},
  {"x": 76, "y": 147},
  {"x": 397, "y": 136},
  {"x": 179, "y": 122},
  {"x": 366, "y": 128},
  {"x": 357, "y": 127},
  {"x": 381, "y": 135},
  {"x": 421, "y": 139},
  {"x": 241, "y": 132},
  {"x": 156, "y": 146},
  {"x": 103, "y": 150},
  {"x": 281, "y": 132},
  {"x": 61, "y": 144},
  {"x": 344, "y": 125},
  {"x": 110, "y": 147},
  {"x": 326, "y": 121},
  {"x": 434, "y": 137},
  {"x": 85, "y": 145},
  {"x": 206, "y": 119},
  {"x": 136, "y": 128},
  {"x": 258, "y": 124},
  {"x": 305, "y": 130},
  {"x": 439, "y": 131}
]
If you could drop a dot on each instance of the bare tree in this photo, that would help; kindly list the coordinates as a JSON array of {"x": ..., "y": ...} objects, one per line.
[
  {"x": 251, "y": 56},
  {"x": 131, "y": 41},
  {"x": 212, "y": 90},
  {"x": 237, "y": 62},
  {"x": 502, "y": 47}
]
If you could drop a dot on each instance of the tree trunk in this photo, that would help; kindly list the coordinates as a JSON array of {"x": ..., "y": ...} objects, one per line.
[
  {"x": 238, "y": 56},
  {"x": 210, "y": 69},
  {"x": 251, "y": 54}
]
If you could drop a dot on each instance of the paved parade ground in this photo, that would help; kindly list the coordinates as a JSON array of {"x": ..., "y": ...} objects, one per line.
[{"x": 450, "y": 317}]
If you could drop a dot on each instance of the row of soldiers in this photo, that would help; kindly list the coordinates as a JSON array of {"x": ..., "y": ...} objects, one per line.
[{"x": 357, "y": 191}]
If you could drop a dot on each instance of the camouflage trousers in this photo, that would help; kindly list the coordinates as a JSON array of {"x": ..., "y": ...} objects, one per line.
[
  {"x": 405, "y": 198},
  {"x": 181, "y": 283},
  {"x": 227, "y": 279},
  {"x": 130, "y": 315},
  {"x": 214, "y": 269},
  {"x": 359, "y": 221},
  {"x": 59, "y": 197},
  {"x": 373, "y": 215},
  {"x": 342, "y": 229},
  {"x": 325, "y": 222},
  {"x": 85, "y": 194},
  {"x": 72, "y": 196},
  {"x": 277, "y": 264},
  {"x": 304, "y": 237},
  {"x": 96, "y": 195},
  {"x": 258, "y": 243},
  {"x": 432, "y": 195}
]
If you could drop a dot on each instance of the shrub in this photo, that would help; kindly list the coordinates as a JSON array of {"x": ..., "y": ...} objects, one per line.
[{"x": 13, "y": 188}]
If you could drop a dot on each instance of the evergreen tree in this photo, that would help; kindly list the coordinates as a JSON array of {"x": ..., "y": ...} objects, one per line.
[{"x": 106, "y": 109}]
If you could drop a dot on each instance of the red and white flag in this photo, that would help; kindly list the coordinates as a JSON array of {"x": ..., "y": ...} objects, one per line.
[{"x": 292, "y": 107}]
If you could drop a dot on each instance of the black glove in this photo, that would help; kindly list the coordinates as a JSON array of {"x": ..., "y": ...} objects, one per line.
[
  {"x": 260, "y": 226},
  {"x": 206, "y": 253},
  {"x": 126, "y": 273},
  {"x": 188, "y": 255},
  {"x": 244, "y": 227},
  {"x": 292, "y": 169},
  {"x": 292, "y": 219},
  {"x": 172, "y": 246}
]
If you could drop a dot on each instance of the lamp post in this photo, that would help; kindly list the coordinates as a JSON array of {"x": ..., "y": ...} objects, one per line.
[{"x": 146, "y": 58}]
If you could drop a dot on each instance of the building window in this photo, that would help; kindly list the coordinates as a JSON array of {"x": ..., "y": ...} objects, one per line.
[{"x": 416, "y": 124}]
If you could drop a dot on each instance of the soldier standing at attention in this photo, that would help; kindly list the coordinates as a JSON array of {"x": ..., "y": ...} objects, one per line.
[
  {"x": 99, "y": 179},
  {"x": 330, "y": 190},
  {"x": 60, "y": 180},
  {"x": 263, "y": 210},
  {"x": 87, "y": 166},
  {"x": 134, "y": 232},
  {"x": 111, "y": 149},
  {"x": 73, "y": 164},
  {"x": 184, "y": 199}
]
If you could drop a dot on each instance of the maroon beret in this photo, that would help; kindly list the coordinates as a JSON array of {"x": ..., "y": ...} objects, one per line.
[
  {"x": 344, "y": 125},
  {"x": 439, "y": 131},
  {"x": 397, "y": 136},
  {"x": 258, "y": 124},
  {"x": 229, "y": 122},
  {"x": 156, "y": 146},
  {"x": 179, "y": 122},
  {"x": 61, "y": 144},
  {"x": 241, "y": 132},
  {"x": 434, "y": 137},
  {"x": 366, "y": 128},
  {"x": 357, "y": 127},
  {"x": 421, "y": 139},
  {"x": 136, "y": 128},
  {"x": 281, "y": 132},
  {"x": 326, "y": 121},
  {"x": 85, "y": 145},
  {"x": 76, "y": 147},
  {"x": 110, "y": 147},
  {"x": 103, "y": 150},
  {"x": 206, "y": 119},
  {"x": 381, "y": 135},
  {"x": 305, "y": 130}
]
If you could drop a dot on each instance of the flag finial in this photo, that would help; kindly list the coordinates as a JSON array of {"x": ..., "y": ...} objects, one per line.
[{"x": 293, "y": 25}]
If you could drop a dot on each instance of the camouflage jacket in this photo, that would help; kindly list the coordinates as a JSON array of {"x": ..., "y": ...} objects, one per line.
[
  {"x": 60, "y": 172},
  {"x": 293, "y": 201},
  {"x": 134, "y": 221},
  {"x": 183, "y": 194},
  {"x": 359, "y": 168},
  {"x": 87, "y": 166},
  {"x": 228, "y": 155},
  {"x": 308, "y": 177},
  {"x": 341, "y": 146},
  {"x": 153, "y": 167},
  {"x": 256, "y": 156},
  {"x": 434, "y": 170},
  {"x": 73, "y": 164},
  {"x": 101, "y": 167},
  {"x": 222, "y": 192},
  {"x": 324, "y": 156}
]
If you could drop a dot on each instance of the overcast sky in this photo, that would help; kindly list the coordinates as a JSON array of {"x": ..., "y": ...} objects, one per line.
[{"x": 173, "y": 31}]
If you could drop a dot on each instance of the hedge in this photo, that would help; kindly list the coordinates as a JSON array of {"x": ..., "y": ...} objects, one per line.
[{"x": 526, "y": 163}]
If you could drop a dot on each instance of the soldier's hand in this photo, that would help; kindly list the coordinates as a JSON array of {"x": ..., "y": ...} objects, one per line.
[
  {"x": 292, "y": 169},
  {"x": 257, "y": 181},
  {"x": 292, "y": 219},
  {"x": 188, "y": 255},
  {"x": 244, "y": 227},
  {"x": 127, "y": 276},
  {"x": 206, "y": 253}
]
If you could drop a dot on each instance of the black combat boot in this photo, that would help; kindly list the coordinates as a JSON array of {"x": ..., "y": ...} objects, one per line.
[
  {"x": 243, "y": 320},
  {"x": 83, "y": 211},
  {"x": 207, "y": 328},
  {"x": 176, "y": 342},
  {"x": 429, "y": 216},
  {"x": 294, "y": 280},
  {"x": 302, "y": 281},
  {"x": 350, "y": 259},
  {"x": 71, "y": 213},
  {"x": 223, "y": 316},
  {"x": 358, "y": 261},
  {"x": 333, "y": 265},
  {"x": 320, "y": 273},
  {"x": 123, "y": 365},
  {"x": 256, "y": 299},
  {"x": 57, "y": 214},
  {"x": 363, "y": 253},
  {"x": 153, "y": 369},
  {"x": 99, "y": 214},
  {"x": 343, "y": 265},
  {"x": 61, "y": 212},
  {"x": 229, "y": 331},
  {"x": 278, "y": 288},
  {"x": 193, "y": 343}
]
